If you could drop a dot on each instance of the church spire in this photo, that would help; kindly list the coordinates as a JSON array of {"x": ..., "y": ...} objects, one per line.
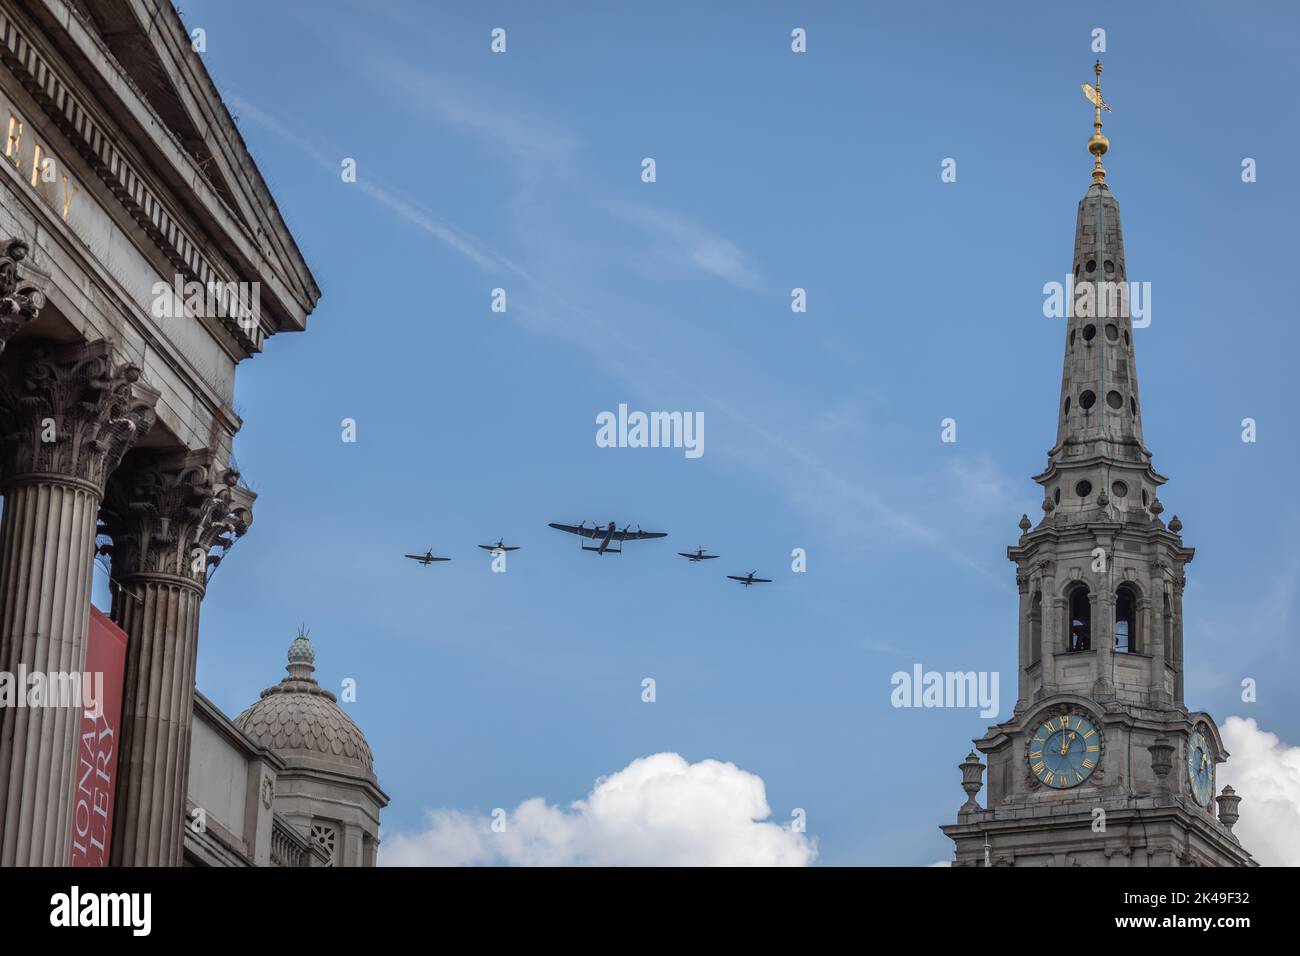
[{"x": 1099, "y": 468}]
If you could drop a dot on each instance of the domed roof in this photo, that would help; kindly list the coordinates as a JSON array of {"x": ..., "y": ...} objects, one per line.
[{"x": 302, "y": 721}]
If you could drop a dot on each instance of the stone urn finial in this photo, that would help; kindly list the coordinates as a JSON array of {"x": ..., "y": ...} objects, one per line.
[
  {"x": 1162, "y": 761},
  {"x": 1024, "y": 523},
  {"x": 971, "y": 773},
  {"x": 1228, "y": 803}
]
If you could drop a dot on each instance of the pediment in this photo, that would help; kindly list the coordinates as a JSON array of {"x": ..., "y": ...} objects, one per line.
[{"x": 160, "y": 106}]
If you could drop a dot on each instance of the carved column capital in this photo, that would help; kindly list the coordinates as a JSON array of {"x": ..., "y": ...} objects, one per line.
[
  {"x": 69, "y": 412},
  {"x": 21, "y": 298},
  {"x": 165, "y": 512}
]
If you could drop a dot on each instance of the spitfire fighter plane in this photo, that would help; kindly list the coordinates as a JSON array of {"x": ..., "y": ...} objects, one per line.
[
  {"x": 749, "y": 579},
  {"x": 426, "y": 559},
  {"x": 499, "y": 546},
  {"x": 606, "y": 535},
  {"x": 697, "y": 555}
]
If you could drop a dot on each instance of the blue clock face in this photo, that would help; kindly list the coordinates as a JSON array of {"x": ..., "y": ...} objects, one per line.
[
  {"x": 1200, "y": 767},
  {"x": 1064, "y": 751}
]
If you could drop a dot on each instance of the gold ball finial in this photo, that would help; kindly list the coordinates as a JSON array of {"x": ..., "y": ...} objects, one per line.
[{"x": 1098, "y": 144}]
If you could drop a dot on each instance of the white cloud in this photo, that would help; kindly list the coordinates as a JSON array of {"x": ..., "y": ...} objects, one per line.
[
  {"x": 1265, "y": 772},
  {"x": 658, "y": 811}
]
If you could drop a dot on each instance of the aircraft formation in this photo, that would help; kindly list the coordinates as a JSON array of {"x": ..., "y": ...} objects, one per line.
[{"x": 607, "y": 539}]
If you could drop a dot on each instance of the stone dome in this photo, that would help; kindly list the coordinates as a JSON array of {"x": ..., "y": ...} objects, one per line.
[{"x": 303, "y": 723}]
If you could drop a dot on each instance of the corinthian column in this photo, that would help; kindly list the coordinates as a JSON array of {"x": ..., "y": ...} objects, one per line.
[
  {"x": 165, "y": 513},
  {"x": 67, "y": 415}
]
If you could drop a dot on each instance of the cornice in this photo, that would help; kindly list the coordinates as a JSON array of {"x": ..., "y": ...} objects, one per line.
[{"x": 85, "y": 131}]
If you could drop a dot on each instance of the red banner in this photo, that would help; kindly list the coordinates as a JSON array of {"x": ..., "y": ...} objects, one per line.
[{"x": 92, "y": 815}]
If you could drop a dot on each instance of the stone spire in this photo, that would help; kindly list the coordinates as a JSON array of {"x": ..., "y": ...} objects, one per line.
[{"x": 1099, "y": 465}]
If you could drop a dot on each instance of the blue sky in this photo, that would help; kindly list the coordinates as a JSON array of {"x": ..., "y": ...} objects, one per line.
[{"x": 774, "y": 170}]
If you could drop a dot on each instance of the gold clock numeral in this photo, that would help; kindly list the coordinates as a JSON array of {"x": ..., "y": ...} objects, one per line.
[
  {"x": 1035, "y": 753},
  {"x": 1078, "y": 777},
  {"x": 1088, "y": 764},
  {"x": 1038, "y": 767},
  {"x": 1048, "y": 779}
]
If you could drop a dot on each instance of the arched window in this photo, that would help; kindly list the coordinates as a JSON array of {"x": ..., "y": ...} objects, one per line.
[
  {"x": 1036, "y": 628},
  {"x": 1125, "y": 620},
  {"x": 1080, "y": 637}
]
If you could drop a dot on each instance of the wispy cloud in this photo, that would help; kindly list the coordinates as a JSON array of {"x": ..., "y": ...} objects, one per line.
[
  {"x": 815, "y": 486},
  {"x": 529, "y": 138},
  {"x": 684, "y": 243},
  {"x": 464, "y": 243}
]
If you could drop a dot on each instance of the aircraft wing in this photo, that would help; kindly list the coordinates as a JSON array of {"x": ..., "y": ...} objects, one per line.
[
  {"x": 637, "y": 535},
  {"x": 415, "y": 557},
  {"x": 761, "y": 580},
  {"x": 585, "y": 532},
  {"x": 735, "y": 578}
]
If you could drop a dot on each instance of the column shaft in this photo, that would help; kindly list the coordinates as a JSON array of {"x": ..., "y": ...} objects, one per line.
[
  {"x": 157, "y": 719},
  {"x": 47, "y": 553}
]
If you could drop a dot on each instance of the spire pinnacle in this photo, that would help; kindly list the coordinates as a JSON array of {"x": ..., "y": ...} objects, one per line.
[{"x": 1098, "y": 144}]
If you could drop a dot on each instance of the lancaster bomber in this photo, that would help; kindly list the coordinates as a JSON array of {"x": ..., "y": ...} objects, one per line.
[{"x": 606, "y": 535}]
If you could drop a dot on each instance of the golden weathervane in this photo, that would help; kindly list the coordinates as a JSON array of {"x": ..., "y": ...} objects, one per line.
[{"x": 1098, "y": 144}]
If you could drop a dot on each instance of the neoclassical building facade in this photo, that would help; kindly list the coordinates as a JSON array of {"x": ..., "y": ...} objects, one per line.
[{"x": 142, "y": 258}]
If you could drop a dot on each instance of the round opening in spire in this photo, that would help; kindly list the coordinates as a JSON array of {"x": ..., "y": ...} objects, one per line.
[
  {"x": 1112, "y": 332},
  {"x": 1083, "y": 489},
  {"x": 1115, "y": 400},
  {"x": 1119, "y": 489},
  {"x": 1089, "y": 332},
  {"x": 1092, "y": 265},
  {"x": 1087, "y": 400},
  {"x": 1067, "y": 405}
]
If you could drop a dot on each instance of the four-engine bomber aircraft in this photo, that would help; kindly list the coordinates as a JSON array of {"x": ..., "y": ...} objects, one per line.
[
  {"x": 749, "y": 579},
  {"x": 426, "y": 559},
  {"x": 606, "y": 535},
  {"x": 499, "y": 546},
  {"x": 698, "y": 555}
]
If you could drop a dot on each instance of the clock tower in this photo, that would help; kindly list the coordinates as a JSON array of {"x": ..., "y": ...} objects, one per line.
[{"x": 1100, "y": 763}]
